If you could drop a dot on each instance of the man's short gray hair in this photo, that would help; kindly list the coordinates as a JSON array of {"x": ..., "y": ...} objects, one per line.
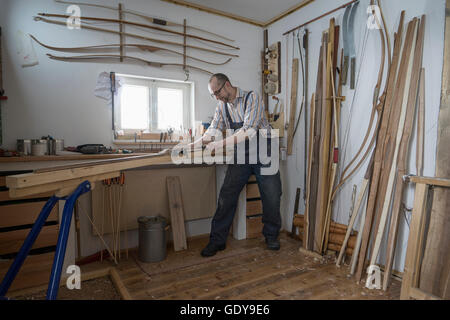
[{"x": 221, "y": 78}]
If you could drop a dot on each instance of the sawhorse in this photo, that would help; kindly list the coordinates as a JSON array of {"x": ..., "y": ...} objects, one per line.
[{"x": 55, "y": 276}]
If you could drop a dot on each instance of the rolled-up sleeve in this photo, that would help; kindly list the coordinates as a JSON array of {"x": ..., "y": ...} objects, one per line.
[
  {"x": 254, "y": 113},
  {"x": 217, "y": 121}
]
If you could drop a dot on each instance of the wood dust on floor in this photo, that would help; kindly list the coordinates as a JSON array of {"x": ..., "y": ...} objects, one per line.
[{"x": 96, "y": 289}]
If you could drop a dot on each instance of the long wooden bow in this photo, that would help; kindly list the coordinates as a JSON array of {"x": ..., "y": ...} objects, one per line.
[
  {"x": 117, "y": 46},
  {"x": 51, "y": 15},
  {"x": 114, "y": 56},
  {"x": 150, "y": 19},
  {"x": 136, "y": 36},
  {"x": 377, "y": 108}
]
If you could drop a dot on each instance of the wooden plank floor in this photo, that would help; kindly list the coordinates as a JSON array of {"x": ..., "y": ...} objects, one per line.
[{"x": 245, "y": 270}]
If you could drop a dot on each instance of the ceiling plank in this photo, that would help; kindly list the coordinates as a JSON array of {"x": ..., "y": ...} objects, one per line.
[
  {"x": 237, "y": 17},
  {"x": 218, "y": 12},
  {"x": 288, "y": 11}
]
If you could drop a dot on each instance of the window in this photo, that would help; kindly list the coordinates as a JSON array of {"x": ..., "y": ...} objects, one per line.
[{"x": 153, "y": 105}]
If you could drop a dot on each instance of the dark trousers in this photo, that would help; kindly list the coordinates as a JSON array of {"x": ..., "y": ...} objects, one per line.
[{"x": 235, "y": 179}]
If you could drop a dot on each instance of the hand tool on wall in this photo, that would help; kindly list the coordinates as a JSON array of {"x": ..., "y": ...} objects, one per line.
[
  {"x": 346, "y": 43},
  {"x": 352, "y": 50}
]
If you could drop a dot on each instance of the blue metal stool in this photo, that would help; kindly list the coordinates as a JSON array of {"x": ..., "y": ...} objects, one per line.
[{"x": 55, "y": 276}]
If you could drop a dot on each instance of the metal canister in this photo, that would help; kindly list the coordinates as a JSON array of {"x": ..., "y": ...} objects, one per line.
[
  {"x": 39, "y": 147},
  {"x": 152, "y": 238},
  {"x": 24, "y": 147},
  {"x": 59, "y": 145},
  {"x": 51, "y": 147}
]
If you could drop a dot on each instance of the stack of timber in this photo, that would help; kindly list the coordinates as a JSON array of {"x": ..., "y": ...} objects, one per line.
[
  {"x": 388, "y": 163},
  {"x": 323, "y": 144},
  {"x": 336, "y": 235}
]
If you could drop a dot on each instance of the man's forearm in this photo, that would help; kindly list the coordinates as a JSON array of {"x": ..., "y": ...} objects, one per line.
[{"x": 236, "y": 138}]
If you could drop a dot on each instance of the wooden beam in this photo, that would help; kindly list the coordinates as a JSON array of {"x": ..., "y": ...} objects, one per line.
[
  {"x": 60, "y": 185},
  {"x": 85, "y": 170},
  {"x": 420, "y": 125},
  {"x": 321, "y": 16},
  {"x": 217, "y": 12},
  {"x": 435, "y": 274},
  {"x": 438, "y": 182},
  {"x": 418, "y": 294},
  {"x": 117, "y": 281},
  {"x": 121, "y": 33},
  {"x": 254, "y": 22},
  {"x": 288, "y": 11},
  {"x": 176, "y": 213},
  {"x": 415, "y": 238}
]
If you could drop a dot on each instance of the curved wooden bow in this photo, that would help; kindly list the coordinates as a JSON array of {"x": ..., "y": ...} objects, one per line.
[
  {"x": 135, "y": 36},
  {"x": 377, "y": 108},
  {"x": 114, "y": 56},
  {"x": 139, "y": 25},
  {"x": 117, "y": 46},
  {"x": 153, "y": 20}
]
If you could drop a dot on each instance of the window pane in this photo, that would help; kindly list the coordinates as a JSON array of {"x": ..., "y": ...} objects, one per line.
[
  {"x": 170, "y": 108},
  {"x": 134, "y": 107}
]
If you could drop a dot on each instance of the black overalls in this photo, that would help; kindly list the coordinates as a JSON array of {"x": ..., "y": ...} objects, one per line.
[{"x": 236, "y": 178}]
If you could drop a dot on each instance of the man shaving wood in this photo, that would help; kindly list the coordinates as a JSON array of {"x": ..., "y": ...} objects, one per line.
[{"x": 242, "y": 112}]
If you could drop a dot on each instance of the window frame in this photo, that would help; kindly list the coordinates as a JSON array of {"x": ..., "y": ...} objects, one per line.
[{"x": 153, "y": 84}]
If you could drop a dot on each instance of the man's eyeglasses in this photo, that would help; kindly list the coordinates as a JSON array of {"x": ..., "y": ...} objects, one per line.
[{"x": 217, "y": 92}]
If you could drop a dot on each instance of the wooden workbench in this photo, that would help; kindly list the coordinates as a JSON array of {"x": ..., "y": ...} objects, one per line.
[{"x": 145, "y": 193}]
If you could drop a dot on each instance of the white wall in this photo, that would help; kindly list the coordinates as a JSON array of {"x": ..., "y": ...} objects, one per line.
[
  {"x": 293, "y": 168},
  {"x": 57, "y": 97}
]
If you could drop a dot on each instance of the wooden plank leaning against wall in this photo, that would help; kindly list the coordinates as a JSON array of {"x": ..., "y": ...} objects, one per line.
[{"x": 435, "y": 272}]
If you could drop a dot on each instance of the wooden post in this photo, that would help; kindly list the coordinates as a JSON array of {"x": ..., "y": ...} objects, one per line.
[
  {"x": 184, "y": 44},
  {"x": 265, "y": 67},
  {"x": 434, "y": 277},
  {"x": 121, "y": 33},
  {"x": 420, "y": 125},
  {"x": 176, "y": 213},
  {"x": 415, "y": 238}
]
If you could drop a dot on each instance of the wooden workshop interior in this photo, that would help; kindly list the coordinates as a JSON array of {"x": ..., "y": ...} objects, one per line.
[{"x": 95, "y": 96}]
